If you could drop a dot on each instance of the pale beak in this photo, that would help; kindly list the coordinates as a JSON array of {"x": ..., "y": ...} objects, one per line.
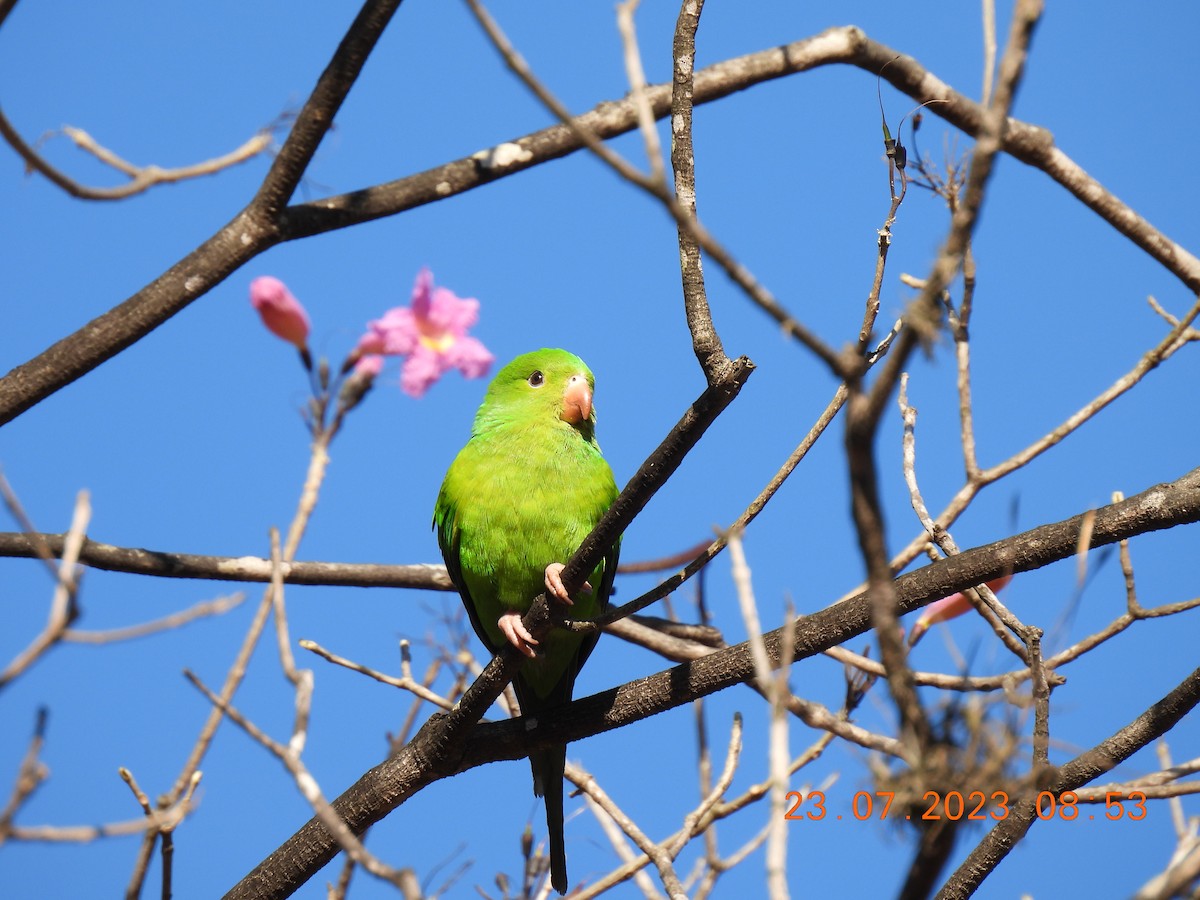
[{"x": 577, "y": 400}]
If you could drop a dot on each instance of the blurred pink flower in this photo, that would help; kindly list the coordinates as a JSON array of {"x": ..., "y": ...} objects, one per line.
[
  {"x": 432, "y": 333},
  {"x": 280, "y": 311},
  {"x": 949, "y": 608}
]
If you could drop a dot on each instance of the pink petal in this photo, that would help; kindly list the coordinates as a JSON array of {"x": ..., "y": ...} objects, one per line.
[
  {"x": 422, "y": 288},
  {"x": 420, "y": 371},
  {"x": 945, "y": 609},
  {"x": 280, "y": 311},
  {"x": 953, "y": 606},
  {"x": 448, "y": 312},
  {"x": 470, "y": 357},
  {"x": 397, "y": 331}
]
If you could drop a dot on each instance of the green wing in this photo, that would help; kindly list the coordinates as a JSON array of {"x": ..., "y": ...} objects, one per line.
[{"x": 502, "y": 517}]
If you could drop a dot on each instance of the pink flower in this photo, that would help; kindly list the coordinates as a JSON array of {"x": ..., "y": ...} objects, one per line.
[
  {"x": 949, "y": 608},
  {"x": 280, "y": 311},
  {"x": 432, "y": 333}
]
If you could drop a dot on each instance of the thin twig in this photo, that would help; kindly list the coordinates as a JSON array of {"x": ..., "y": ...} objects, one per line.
[
  {"x": 1003, "y": 622},
  {"x": 204, "y": 609},
  {"x": 776, "y": 693},
  {"x": 616, "y": 836},
  {"x": 64, "y": 603},
  {"x": 637, "y": 83},
  {"x": 142, "y": 861},
  {"x": 1157, "y": 720},
  {"x": 159, "y": 820},
  {"x": 737, "y": 272},
  {"x": 30, "y": 775},
  {"x": 407, "y": 683},
  {"x": 308, "y": 787},
  {"x": 1150, "y": 360},
  {"x": 658, "y": 854},
  {"x": 141, "y": 178},
  {"x": 741, "y": 522},
  {"x": 35, "y": 541},
  {"x": 694, "y": 823}
]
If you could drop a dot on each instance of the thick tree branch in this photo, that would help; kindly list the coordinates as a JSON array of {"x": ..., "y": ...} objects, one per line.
[
  {"x": 242, "y": 239},
  {"x": 249, "y": 233},
  {"x": 136, "y": 561},
  {"x": 108, "y": 334},
  {"x": 1030, "y": 144},
  {"x": 319, "y": 111},
  {"x": 435, "y": 751},
  {"x": 447, "y": 745},
  {"x": 6, "y": 6}
]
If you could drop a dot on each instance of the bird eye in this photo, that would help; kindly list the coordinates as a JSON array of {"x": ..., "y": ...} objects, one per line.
[{"x": 537, "y": 379}]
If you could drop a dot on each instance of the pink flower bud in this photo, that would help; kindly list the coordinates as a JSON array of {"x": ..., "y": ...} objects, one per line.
[{"x": 280, "y": 311}]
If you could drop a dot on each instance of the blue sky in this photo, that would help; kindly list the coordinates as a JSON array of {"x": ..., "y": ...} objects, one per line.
[{"x": 191, "y": 441}]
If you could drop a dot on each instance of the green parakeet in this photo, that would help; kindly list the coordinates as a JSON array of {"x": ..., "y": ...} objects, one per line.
[{"x": 517, "y": 502}]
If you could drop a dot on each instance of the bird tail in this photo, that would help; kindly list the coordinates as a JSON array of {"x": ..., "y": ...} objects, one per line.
[{"x": 548, "y": 766}]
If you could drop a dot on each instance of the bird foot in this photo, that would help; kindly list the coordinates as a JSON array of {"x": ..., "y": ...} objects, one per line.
[
  {"x": 554, "y": 584},
  {"x": 516, "y": 632}
]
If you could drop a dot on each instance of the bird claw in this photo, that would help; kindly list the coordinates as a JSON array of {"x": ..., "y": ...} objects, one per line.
[
  {"x": 516, "y": 632},
  {"x": 555, "y": 587}
]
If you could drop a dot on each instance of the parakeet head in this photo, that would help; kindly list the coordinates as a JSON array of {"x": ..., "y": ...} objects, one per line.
[{"x": 545, "y": 386}]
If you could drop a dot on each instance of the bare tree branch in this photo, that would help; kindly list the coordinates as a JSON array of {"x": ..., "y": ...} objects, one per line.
[
  {"x": 64, "y": 603},
  {"x": 141, "y": 178},
  {"x": 1083, "y": 769},
  {"x": 434, "y": 752},
  {"x": 201, "y": 610},
  {"x": 247, "y": 236},
  {"x": 706, "y": 343},
  {"x": 426, "y": 576},
  {"x": 30, "y": 775},
  {"x": 452, "y": 743},
  {"x": 249, "y": 233}
]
